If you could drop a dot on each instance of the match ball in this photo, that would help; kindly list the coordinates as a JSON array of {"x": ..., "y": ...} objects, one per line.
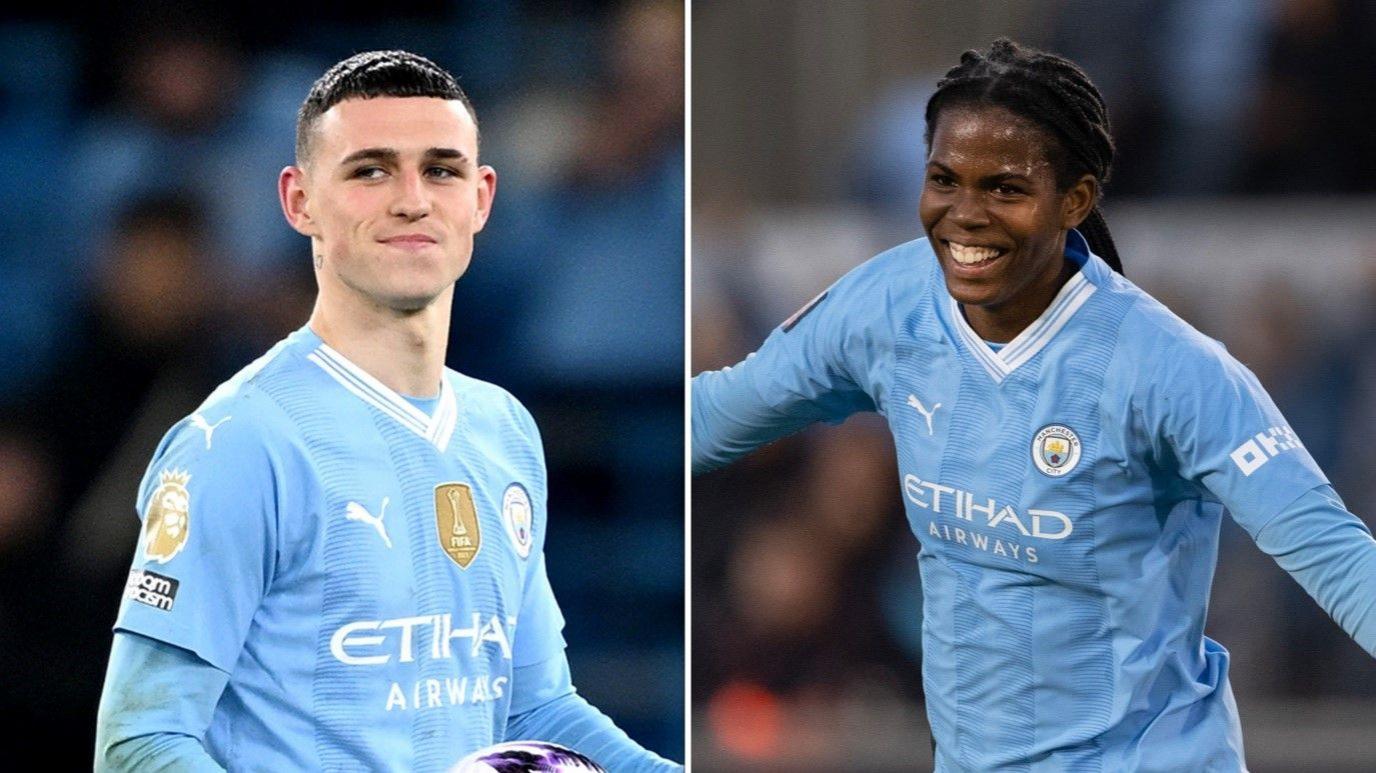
[{"x": 526, "y": 757}]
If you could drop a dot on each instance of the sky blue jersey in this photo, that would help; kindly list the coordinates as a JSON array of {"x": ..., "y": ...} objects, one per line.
[
  {"x": 368, "y": 575},
  {"x": 1067, "y": 490}
]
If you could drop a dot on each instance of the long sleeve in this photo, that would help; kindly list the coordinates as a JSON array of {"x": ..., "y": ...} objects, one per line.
[
  {"x": 831, "y": 359},
  {"x": 769, "y": 395},
  {"x": 1332, "y": 555},
  {"x": 155, "y": 708},
  {"x": 550, "y": 710},
  {"x": 1228, "y": 436}
]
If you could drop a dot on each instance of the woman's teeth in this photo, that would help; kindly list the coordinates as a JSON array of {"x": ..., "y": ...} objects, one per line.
[{"x": 968, "y": 256}]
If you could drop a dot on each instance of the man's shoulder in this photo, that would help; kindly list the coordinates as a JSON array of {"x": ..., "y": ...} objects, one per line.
[
  {"x": 288, "y": 358},
  {"x": 486, "y": 404},
  {"x": 239, "y": 413}
]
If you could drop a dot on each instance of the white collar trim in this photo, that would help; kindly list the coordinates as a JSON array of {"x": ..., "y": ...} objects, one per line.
[
  {"x": 438, "y": 429},
  {"x": 999, "y": 364}
]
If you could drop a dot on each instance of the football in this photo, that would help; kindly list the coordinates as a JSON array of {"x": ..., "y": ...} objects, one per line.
[{"x": 525, "y": 757}]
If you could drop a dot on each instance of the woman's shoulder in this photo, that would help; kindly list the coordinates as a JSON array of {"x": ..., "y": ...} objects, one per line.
[
  {"x": 906, "y": 269},
  {"x": 1165, "y": 348}
]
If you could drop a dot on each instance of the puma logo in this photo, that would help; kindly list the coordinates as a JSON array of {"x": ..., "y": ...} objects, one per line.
[
  {"x": 926, "y": 414},
  {"x": 198, "y": 421},
  {"x": 356, "y": 512}
]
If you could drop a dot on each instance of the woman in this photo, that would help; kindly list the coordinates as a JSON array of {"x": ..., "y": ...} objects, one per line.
[{"x": 1066, "y": 446}]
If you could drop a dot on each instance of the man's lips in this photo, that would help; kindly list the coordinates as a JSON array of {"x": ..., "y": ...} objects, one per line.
[{"x": 409, "y": 241}]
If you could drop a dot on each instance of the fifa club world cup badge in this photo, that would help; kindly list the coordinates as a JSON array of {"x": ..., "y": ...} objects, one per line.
[
  {"x": 457, "y": 521},
  {"x": 169, "y": 517},
  {"x": 1056, "y": 450},
  {"x": 517, "y": 517}
]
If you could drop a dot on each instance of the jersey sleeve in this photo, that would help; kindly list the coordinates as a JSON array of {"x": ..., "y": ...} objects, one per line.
[
  {"x": 540, "y": 624},
  {"x": 822, "y": 364},
  {"x": 1331, "y": 554},
  {"x": 157, "y": 703},
  {"x": 539, "y": 632},
  {"x": 206, "y": 549},
  {"x": 1226, "y": 434},
  {"x": 573, "y": 722}
]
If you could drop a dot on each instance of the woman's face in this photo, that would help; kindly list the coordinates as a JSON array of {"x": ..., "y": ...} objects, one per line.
[{"x": 992, "y": 211}]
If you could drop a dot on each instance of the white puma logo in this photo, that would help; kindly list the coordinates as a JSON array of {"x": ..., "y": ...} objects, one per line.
[
  {"x": 926, "y": 414},
  {"x": 356, "y": 512},
  {"x": 198, "y": 421}
]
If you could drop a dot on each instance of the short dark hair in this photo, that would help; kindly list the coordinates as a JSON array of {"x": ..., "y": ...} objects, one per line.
[
  {"x": 1056, "y": 95},
  {"x": 374, "y": 74}
]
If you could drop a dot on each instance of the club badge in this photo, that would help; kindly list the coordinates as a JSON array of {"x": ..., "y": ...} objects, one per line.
[
  {"x": 518, "y": 518},
  {"x": 457, "y": 520},
  {"x": 1056, "y": 450},
  {"x": 169, "y": 517}
]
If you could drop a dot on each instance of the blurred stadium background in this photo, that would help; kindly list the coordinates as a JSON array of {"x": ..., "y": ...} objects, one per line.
[
  {"x": 1244, "y": 197},
  {"x": 148, "y": 260}
]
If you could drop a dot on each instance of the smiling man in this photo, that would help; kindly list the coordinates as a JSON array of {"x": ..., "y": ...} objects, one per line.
[{"x": 341, "y": 563}]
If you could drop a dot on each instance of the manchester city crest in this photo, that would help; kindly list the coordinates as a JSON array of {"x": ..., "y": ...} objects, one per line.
[
  {"x": 168, "y": 520},
  {"x": 1056, "y": 450},
  {"x": 518, "y": 517}
]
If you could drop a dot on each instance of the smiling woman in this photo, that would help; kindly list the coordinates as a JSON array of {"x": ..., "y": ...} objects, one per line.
[
  {"x": 1020, "y": 158},
  {"x": 996, "y": 217},
  {"x": 1068, "y": 481}
]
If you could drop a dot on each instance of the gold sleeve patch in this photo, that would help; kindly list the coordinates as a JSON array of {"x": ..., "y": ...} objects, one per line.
[{"x": 169, "y": 517}]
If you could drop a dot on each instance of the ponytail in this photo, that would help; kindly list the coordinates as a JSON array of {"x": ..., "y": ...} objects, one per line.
[{"x": 1095, "y": 230}]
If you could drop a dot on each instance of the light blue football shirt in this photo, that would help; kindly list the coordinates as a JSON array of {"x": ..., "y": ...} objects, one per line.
[
  {"x": 368, "y": 574},
  {"x": 1067, "y": 490}
]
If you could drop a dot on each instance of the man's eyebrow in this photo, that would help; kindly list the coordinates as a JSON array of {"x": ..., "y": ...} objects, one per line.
[
  {"x": 446, "y": 153},
  {"x": 374, "y": 154},
  {"x": 390, "y": 155}
]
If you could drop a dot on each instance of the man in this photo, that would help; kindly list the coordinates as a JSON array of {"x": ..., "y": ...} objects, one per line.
[{"x": 341, "y": 562}]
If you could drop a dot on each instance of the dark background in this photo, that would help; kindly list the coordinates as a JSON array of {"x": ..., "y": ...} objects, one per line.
[{"x": 147, "y": 260}]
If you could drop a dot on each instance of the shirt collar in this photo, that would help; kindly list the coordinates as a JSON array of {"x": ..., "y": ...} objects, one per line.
[
  {"x": 1036, "y": 336},
  {"x": 436, "y": 428}
]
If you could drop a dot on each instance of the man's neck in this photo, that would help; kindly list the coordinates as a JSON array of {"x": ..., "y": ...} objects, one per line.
[{"x": 405, "y": 351}]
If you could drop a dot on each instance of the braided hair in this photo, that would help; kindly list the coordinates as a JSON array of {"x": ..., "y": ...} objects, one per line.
[{"x": 1053, "y": 93}]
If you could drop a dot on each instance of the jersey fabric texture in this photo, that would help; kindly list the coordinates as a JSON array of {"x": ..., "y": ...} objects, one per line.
[
  {"x": 1067, "y": 490},
  {"x": 369, "y": 575}
]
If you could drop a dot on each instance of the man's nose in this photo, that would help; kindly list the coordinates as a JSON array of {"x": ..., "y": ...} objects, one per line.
[{"x": 412, "y": 200}]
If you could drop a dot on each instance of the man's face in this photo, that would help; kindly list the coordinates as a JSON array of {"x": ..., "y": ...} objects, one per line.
[{"x": 391, "y": 195}]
